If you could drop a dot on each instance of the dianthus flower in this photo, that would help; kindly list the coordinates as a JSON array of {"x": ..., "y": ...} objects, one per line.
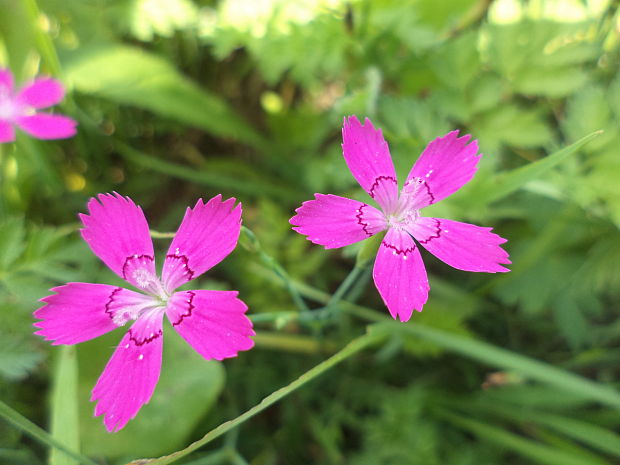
[
  {"x": 212, "y": 322},
  {"x": 19, "y": 109},
  {"x": 446, "y": 164}
]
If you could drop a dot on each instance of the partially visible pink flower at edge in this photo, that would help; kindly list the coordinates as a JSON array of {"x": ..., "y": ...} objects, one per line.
[
  {"x": 446, "y": 164},
  {"x": 20, "y": 109},
  {"x": 212, "y": 322}
]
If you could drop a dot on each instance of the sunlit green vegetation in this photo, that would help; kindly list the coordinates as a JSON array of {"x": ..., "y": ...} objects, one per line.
[{"x": 182, "y": 99}]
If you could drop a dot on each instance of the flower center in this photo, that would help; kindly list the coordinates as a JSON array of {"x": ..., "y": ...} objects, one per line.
[
  {"x": 124, "y": 305},
  {"x": 151, "y": 284},
  {"x": 6, "y": 108}
]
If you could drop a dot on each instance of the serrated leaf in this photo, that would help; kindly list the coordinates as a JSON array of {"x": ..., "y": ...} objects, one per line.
[
  {"x": 550, "y": 82},
  {"x": 17, "y": 360},
  {"x": 11, "y": 241}
]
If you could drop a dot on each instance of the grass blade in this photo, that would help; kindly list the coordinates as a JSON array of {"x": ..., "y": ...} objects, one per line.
[
  {"x": 507, "y": 183},
  {"x": 64, "y": 421}
]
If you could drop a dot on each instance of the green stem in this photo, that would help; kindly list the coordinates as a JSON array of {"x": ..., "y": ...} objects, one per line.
[
  {"x": 352, "y": 348},
  {"x": 161, "y": 235},
  {"x": 346, "y": 285},
  {"x": 487, "y": 353},
  {"x": 28, "y": 427},
  {"x": 251, "y": 243},
  {"x": 288, "y": 283}
]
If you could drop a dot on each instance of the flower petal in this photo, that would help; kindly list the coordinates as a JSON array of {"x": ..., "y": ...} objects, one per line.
[
  {"x": 117, "y": 232},
  {"x": 400, "y": 276},
  {"x": 212, "y": 322},
  {"x": 461, "y": 245},
  {"x": 6, "y": 82},
  {"x": 46, "y": 126},
  {"x": 446, "y": 164},
  {"x": 41, "y": 93},
  {"x": 129, "y": 378},
  {"x": 208, "y": 233},
  {"x": 78, "y": 312},
  {"x": 334, "y": 221},
  {"x": 7, "y": 133},
  {"x": 368, "y": 157}
]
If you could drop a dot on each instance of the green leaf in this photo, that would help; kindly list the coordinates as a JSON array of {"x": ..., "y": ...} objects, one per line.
[
  {"x": 508, "y": 182},
  {"x": 588, "y": 433},
  {"x": 19, "y": 421},
  {"x": 17, "y": 359},
  {"x": 534, "y": 450},
  {"x": 64, "y": 422},
  {"x": 131, "y": 76},
  {"x": 11, "y": 241},
  {"x": 550, "y": 82},
  {"x": 533, "y": 369}
]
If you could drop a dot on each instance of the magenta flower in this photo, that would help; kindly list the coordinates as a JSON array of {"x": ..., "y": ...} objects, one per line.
[
  {"x": 19, "y": 109},
  {"x": 446, "y": 164},
  {"x": 212, "y": 322}
]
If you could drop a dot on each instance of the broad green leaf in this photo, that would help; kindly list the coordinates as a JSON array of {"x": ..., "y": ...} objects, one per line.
[
  {"x": 508, "y": 182},
  {"x": 64, "y": 421},
  {"x": 131, "y": 76},
  {"x": 187, "y": 389}
]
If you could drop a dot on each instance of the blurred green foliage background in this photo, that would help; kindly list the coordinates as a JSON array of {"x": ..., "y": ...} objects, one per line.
[{"x": 181, "y": 99}]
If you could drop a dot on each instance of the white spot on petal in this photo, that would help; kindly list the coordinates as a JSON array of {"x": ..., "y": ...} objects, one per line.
[{"x": 141, "y": 357}]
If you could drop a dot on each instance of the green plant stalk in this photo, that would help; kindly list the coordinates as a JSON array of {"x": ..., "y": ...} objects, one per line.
[
  {"x": 28, "y": 427},
  {"x": 346, "y": 285},
  {"x": 251, "y": 243},
  {"x": 350, "y": 349},
  {"x": 487, "y": 353},
  {"x": 292, "y": 343}
]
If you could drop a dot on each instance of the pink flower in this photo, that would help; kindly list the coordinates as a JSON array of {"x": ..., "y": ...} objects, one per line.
[
  {"x": 212, "y": 322},
  {"x": 19, "y": 109},
  {"x": 446, "y": 164}
]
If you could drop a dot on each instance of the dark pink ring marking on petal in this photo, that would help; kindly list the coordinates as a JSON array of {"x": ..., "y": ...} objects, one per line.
[
  {"x": 421, "y": 181},
  {"x": 133, "y": 257},
  {"x": 397, "y": 250},
  {"x": 375, "y": 184},
  {"x": 146, "y": 340},
  {"x": 190, "y": 308},
  {"x": 111, "y": 300},
  {"x": 185, "y": 260},
  {"x": 436, "y": 235},
  {"x": 360, "y": 212}
]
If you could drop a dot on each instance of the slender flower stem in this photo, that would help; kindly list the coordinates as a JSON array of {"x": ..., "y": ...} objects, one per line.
[
  {"x": 28, "y": 427},
  {"x": 346, "y": 285},
  {"x": 350, "y": 349},
  {"x": 251, "y": 243},
  {"x": 161, "y": 235}
]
